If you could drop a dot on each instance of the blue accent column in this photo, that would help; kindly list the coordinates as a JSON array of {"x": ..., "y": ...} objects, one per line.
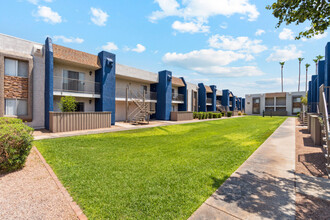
[
  {"x": 183, "y": 90},
  {"x": 225, "y": 99},
  {"x": 327, "y": 69},
  {"x": 201, "y": 97},
  {"x": 49, "y": 69},
  {"x": 164, "y": 95},
  {"x": 214, "y": 98},
  {"x": 233, "y": 105},
  {"x": 320, "y": 77},
  {"x": 309, "y": 95},
  {"x": 314, "y": 93},
  {"x": 106, "y": 76},
  {"x": 243, "y": 104}
]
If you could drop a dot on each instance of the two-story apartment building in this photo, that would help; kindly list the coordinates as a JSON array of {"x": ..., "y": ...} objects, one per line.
[{"x": 34, "y": 77}]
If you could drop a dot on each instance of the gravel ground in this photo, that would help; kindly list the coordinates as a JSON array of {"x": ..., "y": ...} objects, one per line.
[
  {"x": 31, "y": 193},
  {"x": 310, "y": 161}
]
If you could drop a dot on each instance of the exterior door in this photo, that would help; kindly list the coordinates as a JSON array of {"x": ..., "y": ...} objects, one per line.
[{"x": 256, "y": 106}]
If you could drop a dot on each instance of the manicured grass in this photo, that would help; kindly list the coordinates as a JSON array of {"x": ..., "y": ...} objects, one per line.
[{"x": 156, "y": 173}]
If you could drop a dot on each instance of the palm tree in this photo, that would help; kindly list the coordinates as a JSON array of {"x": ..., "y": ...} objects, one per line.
[
  {"x": 319, "y": 57},
  {"x": 316, "y": 61},
  {"x": 282, "y": 65},
  {"x": 300, "y": 60},
  {"x": 307, "y": 65}
]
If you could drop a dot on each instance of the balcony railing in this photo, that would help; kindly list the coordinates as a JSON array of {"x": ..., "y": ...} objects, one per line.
[
  {"x": 62, "y": 84},
  {"x": 209, "y": 101},
  {"x": 177, "y": 97},
  {"x": 134, "y": 94}
]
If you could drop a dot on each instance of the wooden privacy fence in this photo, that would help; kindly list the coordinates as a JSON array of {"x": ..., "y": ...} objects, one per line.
[
  {"x": 181, "y": 116},
  {"x": 74, "y": 121}
]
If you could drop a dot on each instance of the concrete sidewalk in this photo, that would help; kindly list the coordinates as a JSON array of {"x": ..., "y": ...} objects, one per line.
[
  {"x": 263, "y": 187},
  {"x": 120, "y": 126}
]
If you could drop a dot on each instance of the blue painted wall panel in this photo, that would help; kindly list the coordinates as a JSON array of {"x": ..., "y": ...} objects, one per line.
[
  {"x": 213, "y": 95},
  {"x": 106, "y": 76},
  {"x": 183, "y": 90},
  {"x": 320, "y": 78},
  {"x": 164, "y": 95},
  {"x": 49, "y": 69},
  {"x": 225, "y": 98},
  {"x": 201, "y": 98}
]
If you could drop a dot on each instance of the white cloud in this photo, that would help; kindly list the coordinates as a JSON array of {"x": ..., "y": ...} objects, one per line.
[
  {"x": 68, "y": 39},
  {"x": 190, "y": 27},
  {"x": 259, "y": 32},
  {"x": 286, "y": 34},
  {"x": 99, "y": 17},
  {"x": 224, "y": 25},
  {"x": 210, "y": 61},
  {"x": 48, "y": 15},
  {"x": 203, "y": 9},
  {"x": 139, "y": 48},
  {"x": 110, "y": 46},
  {"x": 35, "y": 2},
  {"x": 289, "y": 52},
  {"x": 242, "y": 44}
]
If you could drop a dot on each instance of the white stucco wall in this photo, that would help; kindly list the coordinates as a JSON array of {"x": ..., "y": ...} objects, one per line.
[
  {"x": 249, "y": 103},
  {"x": 21, "y": 46},
  {"x": 190, "y": 89},
  {"x": 88, "y": 107}
]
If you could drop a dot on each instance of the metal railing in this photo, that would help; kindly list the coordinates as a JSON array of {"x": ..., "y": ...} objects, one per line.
[
  {"x": 63, "y": 84},
  {"x": 149, "y": 96},
  {"x": 218, "y": 103},
  {"x": 177, "y": 97}
]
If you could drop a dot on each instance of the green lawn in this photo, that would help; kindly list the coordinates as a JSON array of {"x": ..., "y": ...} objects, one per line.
[{"x": 156, "y": 173}]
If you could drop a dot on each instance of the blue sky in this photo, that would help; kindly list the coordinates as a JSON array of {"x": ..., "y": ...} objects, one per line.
[{"x": 229, "y": 43}]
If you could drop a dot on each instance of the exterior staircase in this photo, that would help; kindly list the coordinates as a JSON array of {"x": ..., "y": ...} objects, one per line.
[{"x": 141, "y": 112}]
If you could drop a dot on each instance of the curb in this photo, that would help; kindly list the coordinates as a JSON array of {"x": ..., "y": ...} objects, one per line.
[{"x": 74, "y": 206}]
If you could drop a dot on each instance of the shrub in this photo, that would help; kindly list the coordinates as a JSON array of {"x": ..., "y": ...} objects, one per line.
[
  {"x": 244, "y": 114},
  {"x": 204, "y": 115},
  {"x": 239, "y": 113},
  {"x": 215, "y": 115},
  {"x": 219, "y": 115},
  {"x": 195, "y": 115},
  {"x": 298, "y": 114},
  {"x": 222, "y": 114},
  {"x": 200, "y": 115},
  {"x": 68, "y": 104},
  {"x": 15, "y": 144},
  {"x": 209, "y": 115},
  {"x": 229, "y": 114}
]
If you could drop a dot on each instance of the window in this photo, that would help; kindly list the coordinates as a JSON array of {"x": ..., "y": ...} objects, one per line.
[
  {"x": 144, "y": 89},
  {"x": 296, "y": 99},
  {"x": 73, "y": 81},
  {"x": 80, "y": 107},
  {"x": 16, "y": 68},
  {"x": 15, "y": 107}
]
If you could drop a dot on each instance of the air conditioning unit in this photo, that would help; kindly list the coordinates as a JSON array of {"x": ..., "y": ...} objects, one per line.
[{"x": 37, "y": 50}]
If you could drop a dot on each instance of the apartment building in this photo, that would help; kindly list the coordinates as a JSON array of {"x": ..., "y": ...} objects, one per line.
[
  {"x": 280, "y": 103},
  {"x": 34, "y": 77}
]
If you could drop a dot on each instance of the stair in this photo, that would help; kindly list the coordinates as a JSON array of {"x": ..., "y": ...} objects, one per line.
[{"x": 141, "y": 113}]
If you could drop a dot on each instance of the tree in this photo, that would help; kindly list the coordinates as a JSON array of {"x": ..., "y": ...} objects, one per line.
[
  {"x": 307, "y": 65},
  {"x": 319, "y": 57},
  {"x": 68, "y": 104},
  {"x": 316, "y": 61},
  {"x": 300, "y": 60},
  {"x": 282, "y": 65},
  {"x": 317, "y": 12}
]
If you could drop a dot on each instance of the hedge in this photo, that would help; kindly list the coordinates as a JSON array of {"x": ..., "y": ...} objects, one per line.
[
  {"x": 229, "y": 114},
  {"x": 15, "y": 144}
]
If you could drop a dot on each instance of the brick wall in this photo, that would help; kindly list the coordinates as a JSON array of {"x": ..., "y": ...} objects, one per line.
[{"x": 15, "y": 87}]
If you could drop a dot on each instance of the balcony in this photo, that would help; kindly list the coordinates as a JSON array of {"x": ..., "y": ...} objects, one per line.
[
  {"x": 177, "y": 98},
  {"x": 75, "y": 87},
  {"x": 131, "y": 94},
  {"x": 209, "y": 101}
]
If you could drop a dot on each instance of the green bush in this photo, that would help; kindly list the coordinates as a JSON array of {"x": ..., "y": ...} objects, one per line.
[
  {"x": 68, "y": 104},
  {"x": 200, "y": 115},
  {"x": 298, "y": 114},
  {"x": 215, "y": 115},
  {"x": 195, "y": 115},
  {"x": 229, "y": 114},
  {"x": 239, "y": 113},
  {"x": 204, "y": 115},
  {"x": 219, "y": 115},
  {"x": 209, "y": 115},
  {"x": 222, "y": 114},
  {"x": 15, "y": 144},
  {"x": 244, "y": 114}
]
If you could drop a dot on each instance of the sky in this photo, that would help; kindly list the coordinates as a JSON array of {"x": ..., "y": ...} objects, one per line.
[{"x": 232, "y": 44}]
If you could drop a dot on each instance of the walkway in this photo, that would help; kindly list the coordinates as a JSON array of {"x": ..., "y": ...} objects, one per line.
[
  {"x": 263, "y": 187},
  {"x": 120, "y": 126}
]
